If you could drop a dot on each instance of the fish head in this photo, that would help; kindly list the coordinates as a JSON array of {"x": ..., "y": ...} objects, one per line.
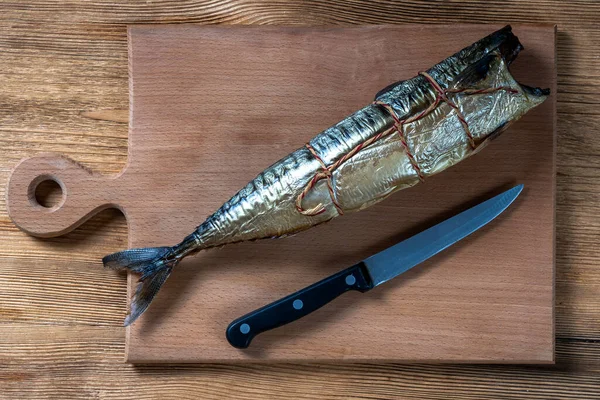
[
  {"x": 478, "y": 82},
  {"x": 490, "y": 98}
]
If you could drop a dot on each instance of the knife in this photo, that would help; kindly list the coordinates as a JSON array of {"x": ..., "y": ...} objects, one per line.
[{"x": 370, "y": 272}]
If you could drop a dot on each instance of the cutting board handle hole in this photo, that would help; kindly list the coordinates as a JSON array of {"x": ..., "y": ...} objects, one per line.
[{"x": 47, "y": 192}]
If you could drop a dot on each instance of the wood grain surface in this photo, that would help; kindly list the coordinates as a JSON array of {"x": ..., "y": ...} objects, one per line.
[
  {"x": 211, "y": 107},
  {"x": 63, "y": 88}
]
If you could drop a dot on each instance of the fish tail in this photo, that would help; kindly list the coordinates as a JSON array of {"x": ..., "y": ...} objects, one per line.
[{"x": 154, "y": 264}]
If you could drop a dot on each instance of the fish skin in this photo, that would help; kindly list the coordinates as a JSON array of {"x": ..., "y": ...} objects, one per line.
[{"x": 266, "y": 206}]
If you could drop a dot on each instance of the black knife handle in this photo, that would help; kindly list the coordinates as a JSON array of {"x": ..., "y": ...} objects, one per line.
[{"x": 295, "y": 306}]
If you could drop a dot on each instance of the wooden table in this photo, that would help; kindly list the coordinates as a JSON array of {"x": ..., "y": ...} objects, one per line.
[{"x": 63, "y": 88}]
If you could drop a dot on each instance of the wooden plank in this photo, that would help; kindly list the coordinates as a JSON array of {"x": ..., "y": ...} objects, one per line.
[
  {"x": 85, "y": 362},
  {"x": 89, "y": 39}
]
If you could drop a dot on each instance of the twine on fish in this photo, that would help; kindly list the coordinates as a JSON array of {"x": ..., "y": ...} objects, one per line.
[
  {"x": 399, "y": 127},
  {"x": 326, "y": 173},
  {"x": 441, "y": 96}
]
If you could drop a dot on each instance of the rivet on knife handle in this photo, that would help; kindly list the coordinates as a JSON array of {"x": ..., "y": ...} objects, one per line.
[{"x": 295, "y": 306}]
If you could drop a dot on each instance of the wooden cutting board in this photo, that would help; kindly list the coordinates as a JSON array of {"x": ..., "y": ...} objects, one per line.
[{"x": 213, "y": 106}]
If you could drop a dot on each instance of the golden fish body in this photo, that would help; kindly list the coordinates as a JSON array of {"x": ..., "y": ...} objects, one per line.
[
  {"x": 414, "y": 129},
  {"x": 266, "y": 207}
]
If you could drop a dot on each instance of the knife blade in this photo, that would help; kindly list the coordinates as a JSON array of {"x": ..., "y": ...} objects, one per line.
[{"x": 371, "y": 272}]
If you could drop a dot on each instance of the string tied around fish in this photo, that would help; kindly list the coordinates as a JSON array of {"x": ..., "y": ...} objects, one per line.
[{"x": 326, "y": 172}]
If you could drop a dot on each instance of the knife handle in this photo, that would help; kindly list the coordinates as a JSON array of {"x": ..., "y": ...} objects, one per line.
[{"x": 295, "y": 306}]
